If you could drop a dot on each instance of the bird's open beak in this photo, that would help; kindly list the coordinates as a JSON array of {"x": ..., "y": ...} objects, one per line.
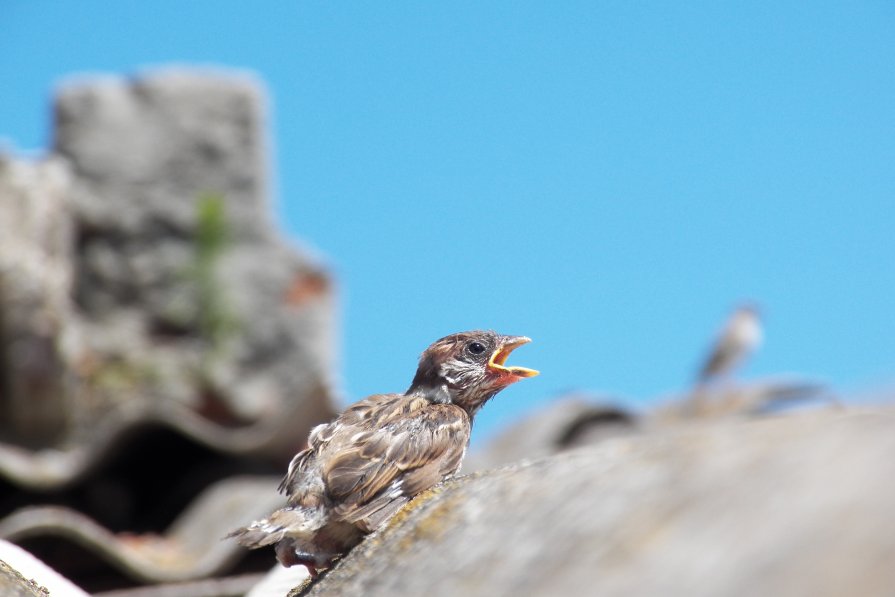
[{"x": 509, "y": 344}]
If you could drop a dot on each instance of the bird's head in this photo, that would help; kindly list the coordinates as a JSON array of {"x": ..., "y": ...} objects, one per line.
[{"x": 468, "y": 368}]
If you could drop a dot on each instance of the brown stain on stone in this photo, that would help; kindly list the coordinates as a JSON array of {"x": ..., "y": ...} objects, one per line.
[{"x": 306, "y": 287}]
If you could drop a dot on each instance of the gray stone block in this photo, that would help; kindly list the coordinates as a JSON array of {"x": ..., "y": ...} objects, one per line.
[
  {"x": 36, "y": 316},
  {"x": 140, "y": 264}
]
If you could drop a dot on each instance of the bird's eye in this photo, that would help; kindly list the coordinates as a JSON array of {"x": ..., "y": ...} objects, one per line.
[{"x": 475, "y": 347}]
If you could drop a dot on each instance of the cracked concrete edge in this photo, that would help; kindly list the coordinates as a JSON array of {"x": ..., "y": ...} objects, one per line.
[{"x": 23, "y": 575}]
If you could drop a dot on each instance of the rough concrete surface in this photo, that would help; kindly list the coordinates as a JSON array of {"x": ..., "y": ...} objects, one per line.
[
  {"x": 36, "y": 317},
  {"x": 23, "y": 575},
  {"x": 795, "y": 505},
  {"x": 180, "y": 270}
]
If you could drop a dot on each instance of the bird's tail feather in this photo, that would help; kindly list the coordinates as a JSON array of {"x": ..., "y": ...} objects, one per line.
[{"x": 270, "y": 530}]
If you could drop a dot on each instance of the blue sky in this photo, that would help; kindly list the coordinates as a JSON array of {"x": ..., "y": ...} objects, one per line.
[{"x": 609, "y": 178}]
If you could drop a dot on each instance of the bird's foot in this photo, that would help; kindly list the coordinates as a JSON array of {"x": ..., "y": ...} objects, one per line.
[
  {"x": 312, "y": 568},
  {"x": 288, "y": 557}
]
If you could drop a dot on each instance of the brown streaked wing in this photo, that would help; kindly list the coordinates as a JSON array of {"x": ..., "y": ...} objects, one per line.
[
  {"x": 409, "y": 454},
  {"x": 320, "y": 436},
  {"x": 296, "y": 468},
  {"x": 371, "y": 408}
]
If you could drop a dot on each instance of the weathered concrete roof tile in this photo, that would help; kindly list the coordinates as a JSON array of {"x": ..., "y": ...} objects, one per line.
[
  {"x": 794, "y": 505},
  {"x": 192, "y": 548}
]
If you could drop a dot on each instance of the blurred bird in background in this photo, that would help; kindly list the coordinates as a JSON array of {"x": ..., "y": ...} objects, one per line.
[{"x": 736, "y": 342}]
